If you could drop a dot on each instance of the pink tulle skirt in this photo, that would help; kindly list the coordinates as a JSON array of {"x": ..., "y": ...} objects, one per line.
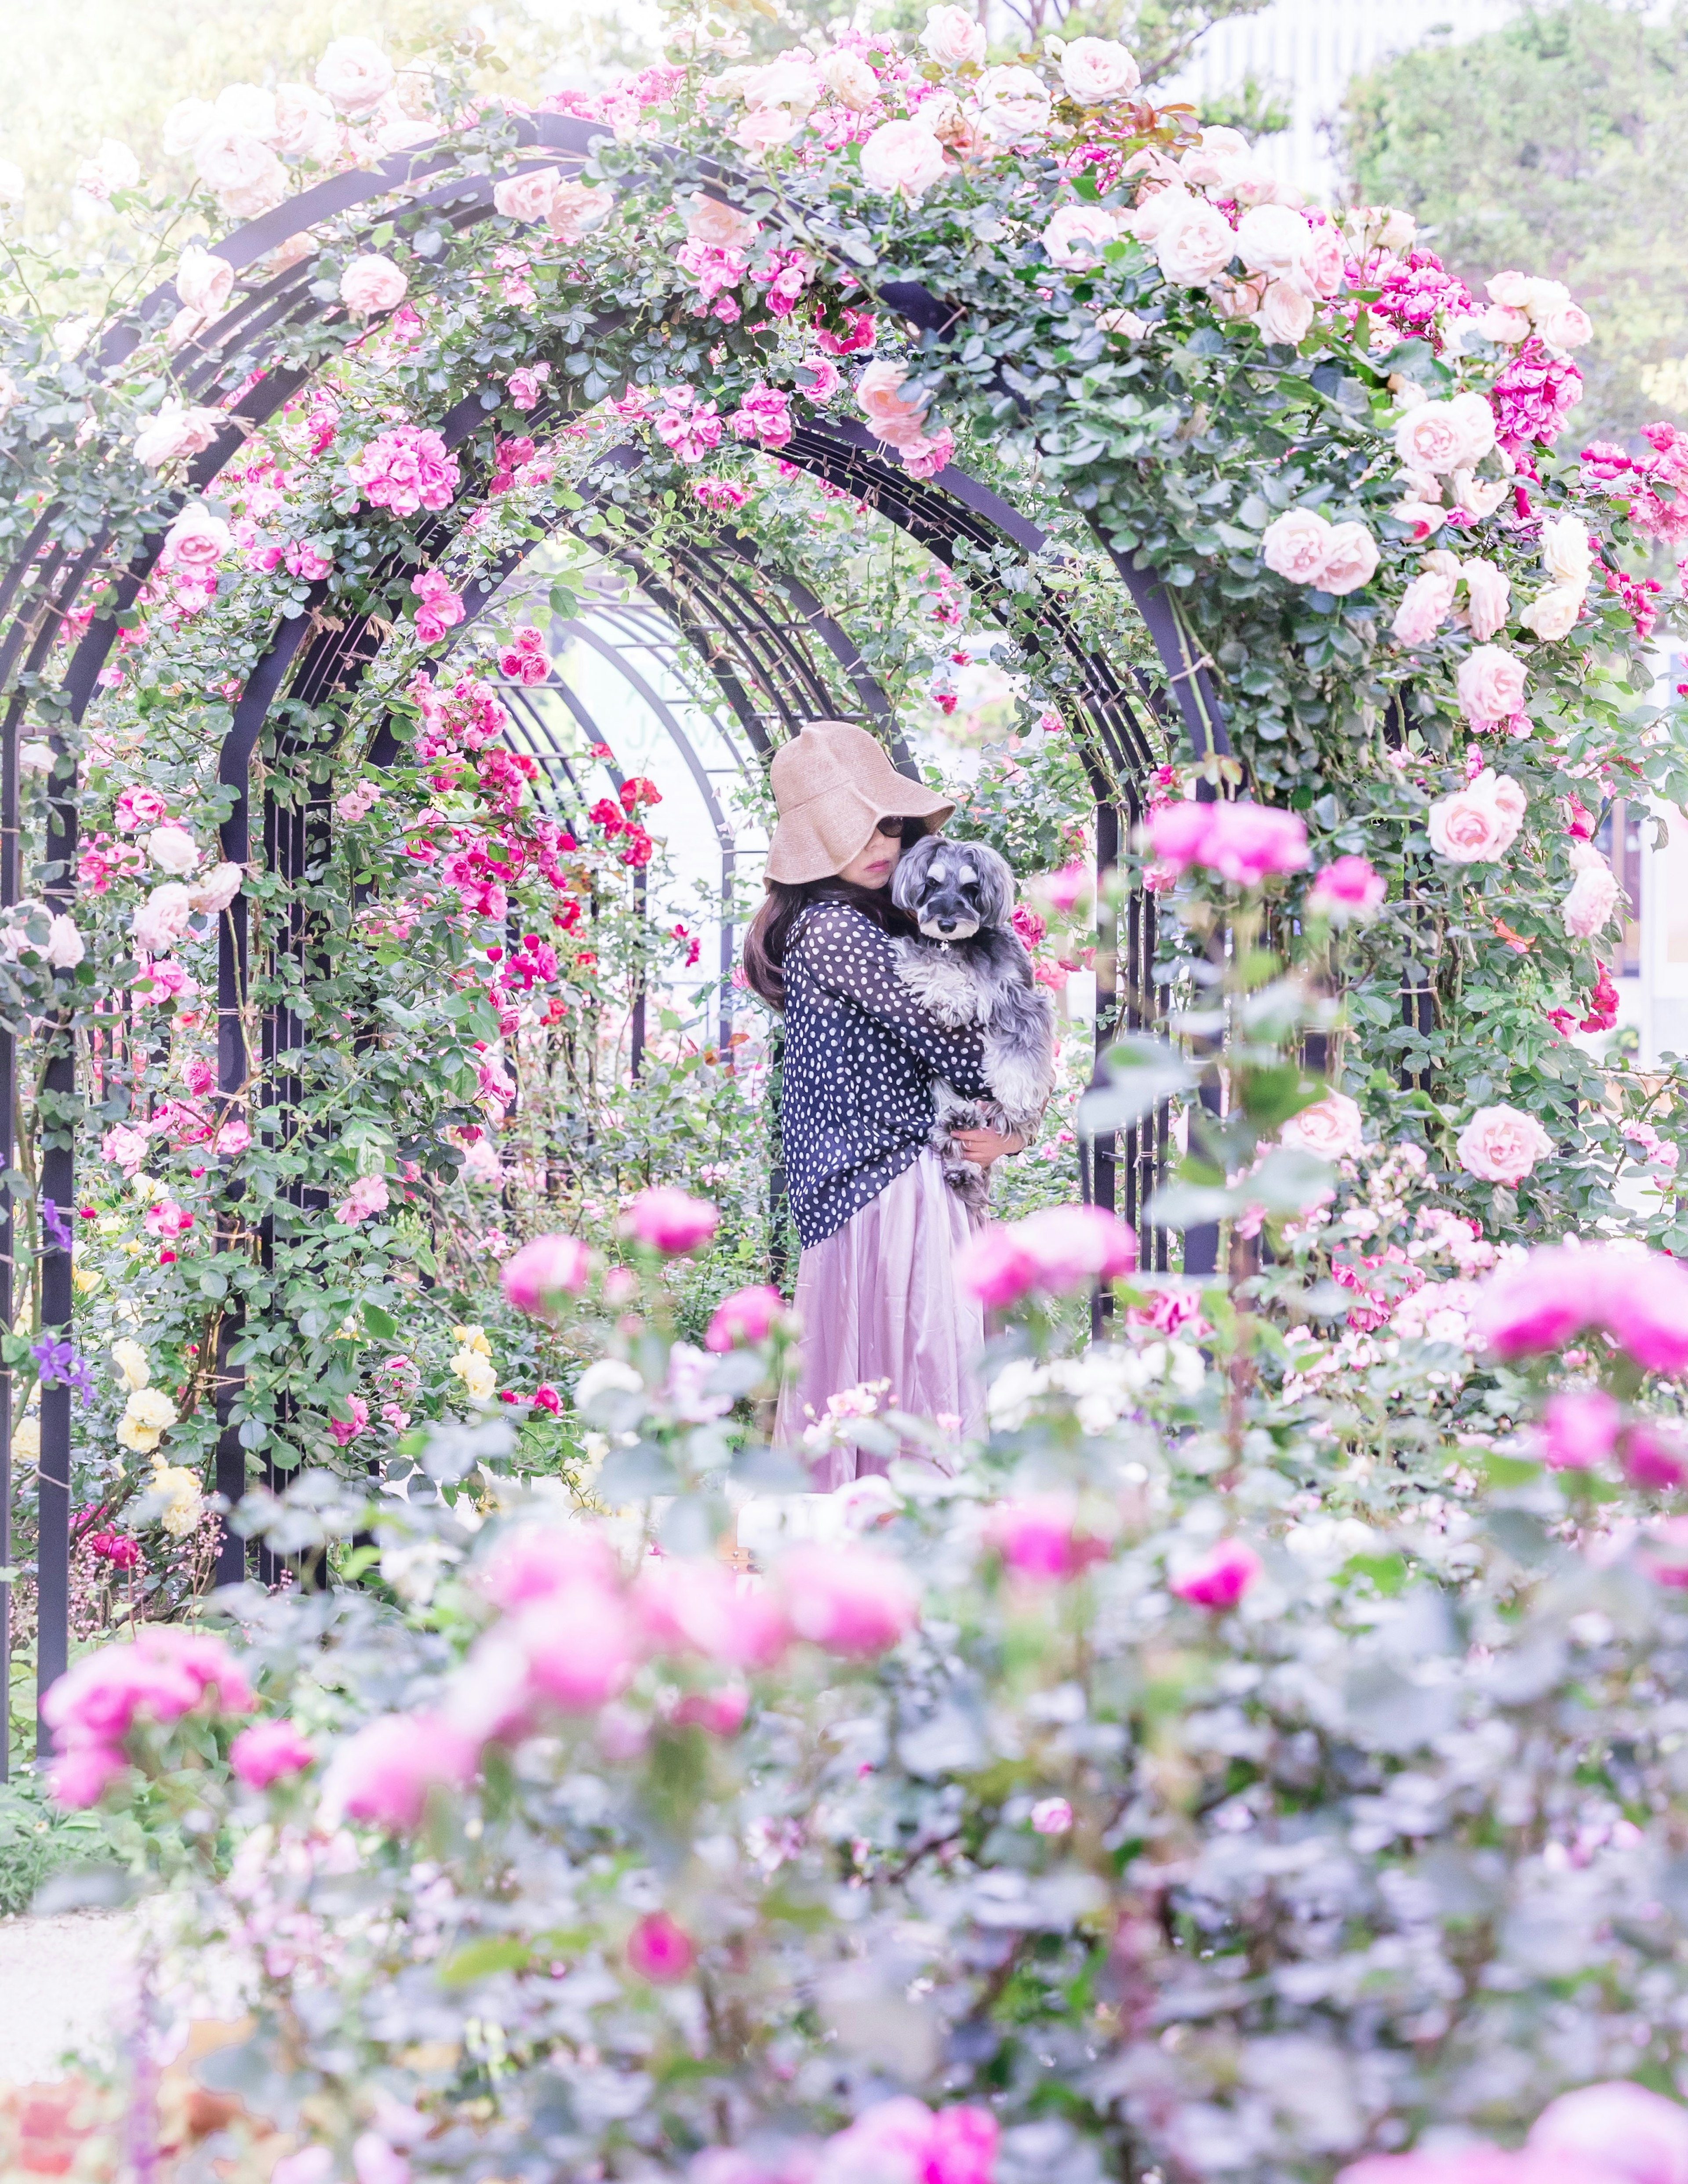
[{"x": 879, "y": 1301}]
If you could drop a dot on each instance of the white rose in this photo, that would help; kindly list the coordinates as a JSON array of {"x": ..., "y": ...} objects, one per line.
[
  {"x": 792, "y": 81},
  {"x": 176, "y": 431},
  {"x": 203, "y": 282},
  {"x": 526, "y": 196},
  {"x": 1510, "y": 290},
  {"x": 1097, "y": 71},
  {"x": 305, "y": 127},
  {"x": 396, "y": 131},
  {"x": 954, "y": 38},
  {"x": 1540, "y": 296},
  {"x": 1503, "y": 324},
  {"x": 217, "y": 890},
  {"x": 578, "y": 210},
  {"x": 65, "y": 947},
  {"x": 1329, "y": 1128},
  {"x": 850, "y": 80},
  {"x": 1502, "y": 1144},
  {"x": 1487, "y": 591},
  {"x": 1285, "y": 312},
  {"x": 1478, "y": 824},
  {"x": 113, "y": 167},
  {"x": 1273, "y": 239},
  {"x": 1010, "y": 105},
  {"x": 185, "y": 124},
  {"x": 1215, "y": 158},
  {"x": 1592, "y": 897},
  {"x": 1078, "y": 234},
  {"x": 1567, "y": 550},
  {"x": 1491, "y": 683},
  {"x": 160, "y": 922},
  {"x": 902, "y": 158},
  {"x": 765, "y": 128},
  {"x": 1194, "y": 244},
  {"x": 1554, "y": 614},
  {"x": 244, "y": 107},
  {"x": 1476, "y": 422},
  {"x": 36, "y": 757},
  {"x": 355, "y": 74},
  {"x": 1568, "y": 326},
  {"x": 172, "y": 848},
  {"x": 1479, "y": 497},
  {"x": 242, "y": 171}
]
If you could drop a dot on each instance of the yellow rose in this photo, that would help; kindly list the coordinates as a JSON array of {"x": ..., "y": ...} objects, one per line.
[
  {"x": 26, "y": 1440},
  {"x": 143, "y": 1440},
  {"x": 130, "y": 1360},
  {"x": 184, "y": 1505},
  {"x": 476, "y": 1373},
  {"x": 473, "y": 1338}
]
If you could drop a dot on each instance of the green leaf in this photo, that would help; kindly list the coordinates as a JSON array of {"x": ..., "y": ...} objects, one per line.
[
  {"x": 1141, "y": 1072},
  {"x": 494, "y": 1952},
  {"x": 380, "y": 1323}
]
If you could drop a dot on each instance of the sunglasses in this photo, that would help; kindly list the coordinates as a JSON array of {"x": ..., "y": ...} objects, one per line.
[{"x": 893, "y": 827}]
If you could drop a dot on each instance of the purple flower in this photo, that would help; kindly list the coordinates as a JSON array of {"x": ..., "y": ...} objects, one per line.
[
  {"x": 60, "y": 1367},
  {"x": 53, "y": 1221}
]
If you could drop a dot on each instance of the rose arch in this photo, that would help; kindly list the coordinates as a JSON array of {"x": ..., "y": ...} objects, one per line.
[{"x": 1112, "y": 382}]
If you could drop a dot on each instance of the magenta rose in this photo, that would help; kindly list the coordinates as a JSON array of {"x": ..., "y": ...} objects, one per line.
[{"x": 669, "y": 1221}]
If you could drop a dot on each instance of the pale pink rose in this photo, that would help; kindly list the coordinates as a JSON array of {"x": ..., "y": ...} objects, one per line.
[
  {"x": 1052, "y": 1816},
  {"x": 1097, "y": 71},
  {"x": 1491, "y": 684},
  {"x": 1488, "y": 593},
  {"x": 1565, "y": 326},
  {"x": 1194, "y": 243},
  {"x": 367, "y": 1196},
  {"x": 526, "y": 196},
  {"x": 355, "y": 74},
  {"x": 953, "y": 37},
  {"x": 242, "y": 171},
  {"x": 849, "y": 1601},
  {"x": 582, "y": 1647},
  {"x": 113, "y": 167},
  {"x": 1443, "y": 437},
  {"x": 766, "y": 128},
  {"x": 577, "y": 210},
  {"x": 233, "y": 1138},
  {"x": 893, "y": 419},
  {"x": 1078, "y": 234},
  {"x": 1285, "y": 312},
  {"x": 1588, "y": 906},
  {"x": 372, "y": 283},
  {"x": 533, "y": 1561},
  {"x": 1351, "y": 558},
  {"x": 699, "y": 1606},
  {"x": 1502, "y": 1144},
  {"x": 293, "y": 252},
  {"x": 217, "y": 890},
  {"x": 1009, "y": 105},
  {"x": 268, "y": 1750},
  {"x": 526, "y": 384},
  {"x": 185, "y": 124},
  {"x": 1504, "y": 323},
  {"x": 1330, "y": 1129},
  {"x": 547, "y": 1267},
  {"x": 1566, "y": 550},
  {"x": 196, "y": 540},
  {"x": 1631, "y": 2134},
  {"x": 357, "y": 802},
  {"x": 203, "y": 282},
  {"x": 850, "y": 80},
  {"x": 386, "y": 1773},
  {"x": 1425, "y": 605},
  {"x": 1424, "y": 518},
  {"x": 1220, "y": 1578},
  {"x": 176, "y": 431},
  {"x": 65, "y": 946},
  {"x": 1273, "y": 239},
  {"x": 1580, "y": 1429},
  {"x": 1555, "y": 613},
  {"x": 1325, "y": 267},
  {"x": 1348, "y": 888},
  {"x": 1294, "y": 545},
  {"x": 1478, "y": 824},
  {"x": 173, "y": 849},
  {"x": 708, "y": 221},
  {"x": 902, "y": 159},
  {"x": 160, "y": 922},
  {"x": 669, "y": 1221},
  {"x": 1511, "y": 290},
  {"x": 305, "y": 127}
]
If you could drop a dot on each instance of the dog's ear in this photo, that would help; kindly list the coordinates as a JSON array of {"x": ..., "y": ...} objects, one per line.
[
  {"x": 909, "y": 876},
  {"x": 995, "y": 884}
]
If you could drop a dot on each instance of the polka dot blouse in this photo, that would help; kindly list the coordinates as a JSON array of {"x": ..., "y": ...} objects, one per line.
[{"x": 860, "y": 1058}]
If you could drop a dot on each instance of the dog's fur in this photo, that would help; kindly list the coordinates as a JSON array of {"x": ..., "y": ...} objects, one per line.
[{"x": 970, "y": 968}]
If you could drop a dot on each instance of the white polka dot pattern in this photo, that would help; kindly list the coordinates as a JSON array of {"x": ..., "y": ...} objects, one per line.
[{"x": 861, "y": 1059}]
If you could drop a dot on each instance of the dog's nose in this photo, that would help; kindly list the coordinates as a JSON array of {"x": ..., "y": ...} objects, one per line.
[{"x": 947, "y": 924}]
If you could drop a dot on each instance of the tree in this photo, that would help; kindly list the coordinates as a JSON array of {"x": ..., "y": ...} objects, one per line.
[{"x": 1558, "y": 145}]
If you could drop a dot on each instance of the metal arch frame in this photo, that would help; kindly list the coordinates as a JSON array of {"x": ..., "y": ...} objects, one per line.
[{"x": 282, "y": 306}]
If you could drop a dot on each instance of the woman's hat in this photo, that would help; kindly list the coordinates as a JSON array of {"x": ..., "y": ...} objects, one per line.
[{"x": 832, "y": 784}]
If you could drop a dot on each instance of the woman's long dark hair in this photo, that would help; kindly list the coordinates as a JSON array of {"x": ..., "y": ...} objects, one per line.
[{"x": 770, "y": 929}]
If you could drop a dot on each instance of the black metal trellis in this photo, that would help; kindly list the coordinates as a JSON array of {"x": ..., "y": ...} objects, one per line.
[{"x": 940, "y": 514}]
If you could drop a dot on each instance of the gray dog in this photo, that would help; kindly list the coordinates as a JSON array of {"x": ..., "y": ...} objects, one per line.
[{"x": 970, "y": 968}]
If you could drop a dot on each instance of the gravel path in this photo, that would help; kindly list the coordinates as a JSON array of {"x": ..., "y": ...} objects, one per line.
[{"x": 59, "y": 1978}]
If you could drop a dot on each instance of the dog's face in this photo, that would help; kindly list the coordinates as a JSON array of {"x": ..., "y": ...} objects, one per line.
[{"x": 951, "y": 890}]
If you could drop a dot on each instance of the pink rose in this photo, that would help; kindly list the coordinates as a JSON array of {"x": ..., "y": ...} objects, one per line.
[
  {"x": 1580, "y": 1429},
  {"x": 577, "y": 210},
  {"x": 526, "y": 196},
  {"x": 1640, "y": 1299},
  {"x": 582, "y": 1647},
  {"x": 1425, "y": 605},
  {"x": 1593, "y": 894},
  {"x": 1330, "y": 1129},
  {"x": 953, "y": 37},
  {"x": 1243, "y": 843},
  {"x": 344, "y": 1431},
  {"x": 1220, "y": 1578},
  {"x": 891, "y": 418},
  {"x": 1052, "y": 1816},
  {"x": 848, "y": 1602},
  {"x": 79, "y": 1779},
  {"x": 1491, "y": 684},
  {"x": 1194, "y": 242},
  {"x": 1653, "y": 1459},
  {"x": 176, "y": 431},
  {"x": 1078, "y": 235},
  {"x": 217, "y": 890},
  {"x": 996, "y": 1269},
  {"x": 1073, "y": 1245},
  {"x": 1502, "y": 1144},
  {"x": 1295, "y": 543},
  {"x": 903, "y": 2141},
  {"x": 268, "y": 1750},
  {"x": 232, "y": 1138},
  {"x": 1286, "y": 312},
  {"x": 196, "y": 539},
  {"x": 1621, "y": 2129},
  {"x": 386, "y": 1773},
  {"x": 203, "y": 282},
  {"x": 749, "y": 1315},
  {"x": 355, "y": 74},
  {"x": 1489, "y": 594},
  {"x": 1478, "y": 824},
  {"x": 138, "y": 806},
  {"x": 699, "y": 1606},
  {"x": 406, "y": 469},
  {"x": 547, "y": 1267},
  {"x": 1097, "y": 71},
  {"x": 1350, "y": 559},
  {"x": 1346, "y": 889},
  {"x": 669, "y": 1220},
  {"x": 372, "y": 283},
  {"x": 660, "y": 1951},
  {"x": 527, "y": 384},
  {"x": 1038, "y": 1536},
  {"x": 533, "y": 1561}
]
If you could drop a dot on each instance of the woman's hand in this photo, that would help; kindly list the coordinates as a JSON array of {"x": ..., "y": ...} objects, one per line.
[{"x": 982, "y": 1147}]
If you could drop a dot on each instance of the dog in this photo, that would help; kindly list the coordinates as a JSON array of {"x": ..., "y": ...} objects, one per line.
[{"x": 970, "y": 968}]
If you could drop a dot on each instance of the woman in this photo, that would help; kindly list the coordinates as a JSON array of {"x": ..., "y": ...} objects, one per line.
[{"x": 877, "y": 1290}]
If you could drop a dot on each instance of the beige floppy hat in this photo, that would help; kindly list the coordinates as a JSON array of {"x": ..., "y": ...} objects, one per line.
[{"x": 832, "y": 784}]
